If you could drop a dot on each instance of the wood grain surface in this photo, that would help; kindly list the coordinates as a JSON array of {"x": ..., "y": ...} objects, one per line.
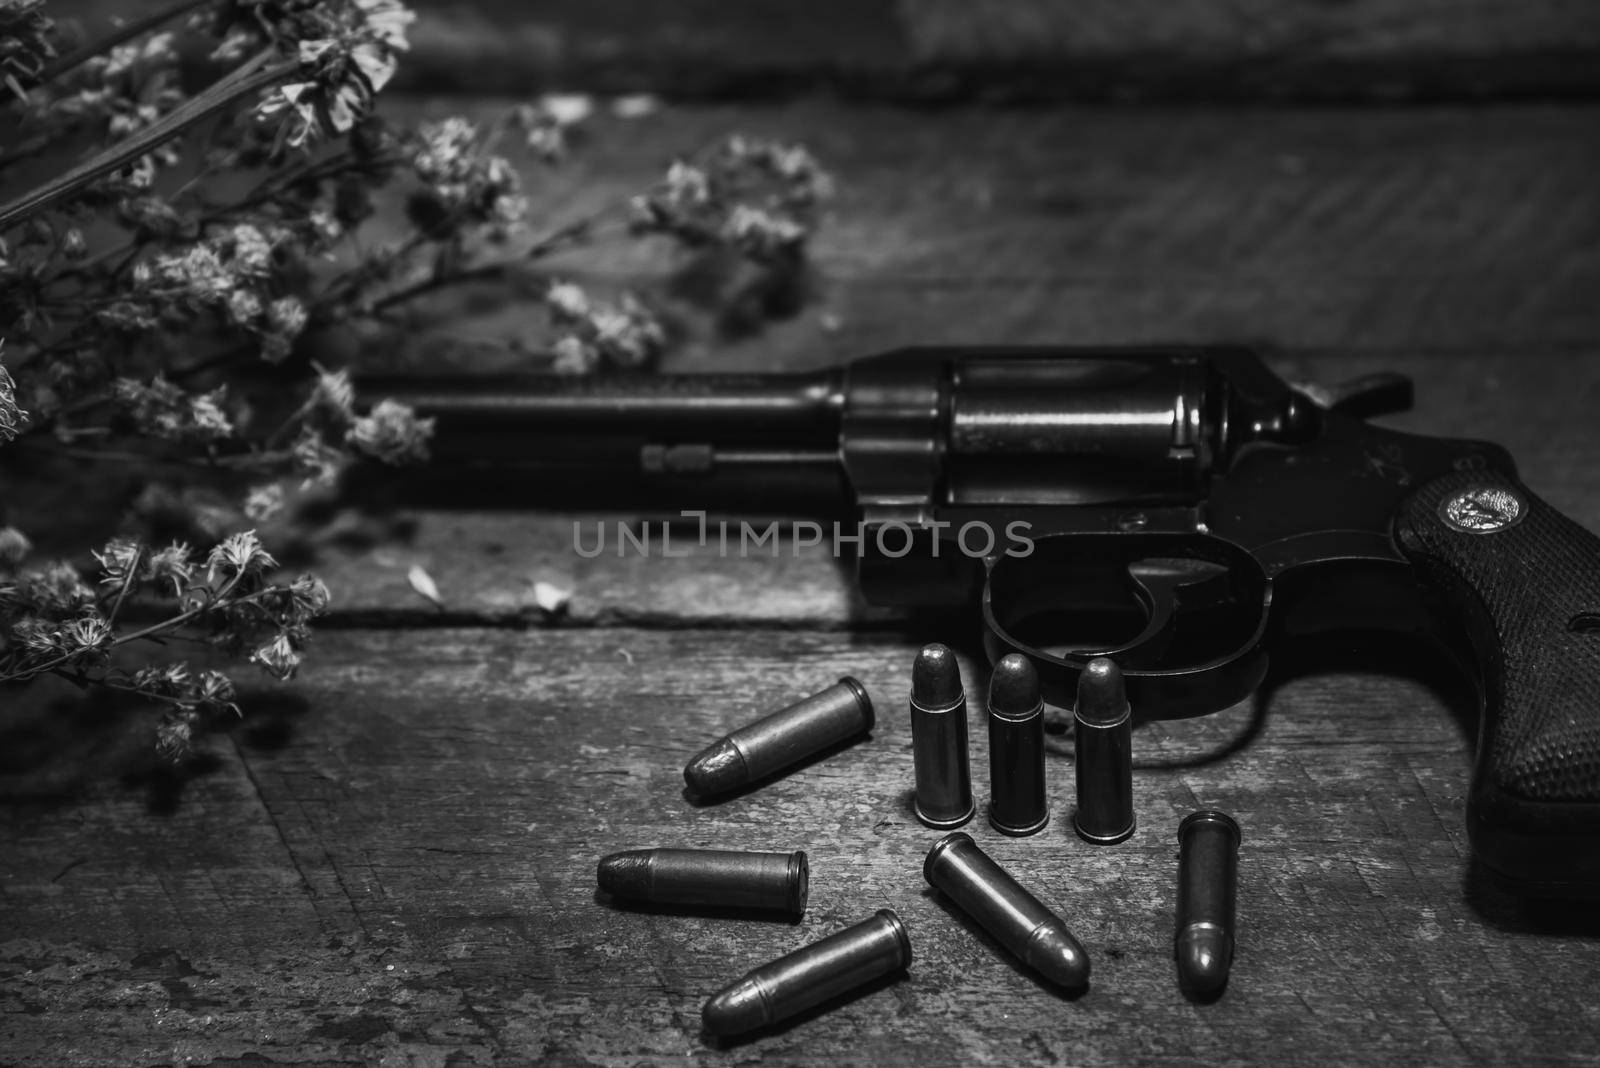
[
  {"x": 1416, "y": 231},
  {"x": 394, "y": 863},
  {"x": 391, "y": 861}
]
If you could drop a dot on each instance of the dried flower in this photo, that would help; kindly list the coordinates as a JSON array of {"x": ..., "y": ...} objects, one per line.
[
  {"x": 12, "y": 418},
  {"x": 545, "y": 123},
  {"x": 161, "y": 680},
  {"x": 14, "y": 546},
  {"x": 319, "y": 461},
  {"x": 627, "y": 334},
  {"x": 37, "y": 639},
  {"x": 568, "y": 303},
  {"x": 348, "y": 52},
  {"x": 25, "y": 44},
  {"x": 122, "y": 297},
  {"x": 462, "y": 184},
  {"x": 334, "y": 395},
  {"x": 287, "y": 316},
  {"x": 160, "y": 409},
  {"x": 119, "y": 561},
  {"x": 170, "y": 565},
  {"x": 86, "y": 639},
  {"x": 278, "y": 657},
  {"x": 239, "y": 554},
  {"x": 760, "y": 234},
  {"x": 755, "y": 195},
  {"x": 264, "y": 502},
  {"x": 392, "y": 433},
  {"x": 53, "y": 591},
  {"x": 244, "y": 307},
  {"x": 308, "y": 597},
  {"x": 175, "y": 735},
  {"x": 215, "y": 689}
]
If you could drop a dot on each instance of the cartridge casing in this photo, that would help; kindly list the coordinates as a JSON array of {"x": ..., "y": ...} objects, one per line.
[
  {"x": 1002, "y": 906},
  {"x": 787, "y": 736},
  {"x": 1017, "y": 800},
  {"x": 1103, "y": 768},
  {"x": 939, "y": 740},
  {"x": 810, "y": 975},
  {"x": 1208, "y": 880},
  {"x": 720, "y": 878}
]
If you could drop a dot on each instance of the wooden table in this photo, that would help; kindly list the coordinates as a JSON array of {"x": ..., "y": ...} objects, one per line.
[{"x": 392, "y": 861}]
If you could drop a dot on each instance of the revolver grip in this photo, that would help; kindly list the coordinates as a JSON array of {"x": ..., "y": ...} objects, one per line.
[{"x": 1525, "y": 580}]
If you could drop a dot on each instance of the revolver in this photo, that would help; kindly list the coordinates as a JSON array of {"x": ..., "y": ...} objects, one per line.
[{"x": 1167, "y": 507}]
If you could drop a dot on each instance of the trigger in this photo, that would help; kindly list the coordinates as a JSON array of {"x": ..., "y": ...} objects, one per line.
[{"x": 1158, "y": 580}]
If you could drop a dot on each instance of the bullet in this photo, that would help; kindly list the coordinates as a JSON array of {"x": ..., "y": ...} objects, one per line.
[
  {"x": 724, "y": 878},
  {"x": 1016, "y": 748},
  {"x": 939, "y": 739},
  {"x": 810, "y": 975},
  {"x": 1103, "y": 730},
  {"x": 786, "y": 737},
  {"x": 1019, "y": 921},
  {"x": 1208, "y": 878}
]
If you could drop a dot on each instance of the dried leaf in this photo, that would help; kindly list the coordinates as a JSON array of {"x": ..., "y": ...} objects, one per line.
[
  {"x": 549, "y": 597},
  {"x": 423, "y": 583}
]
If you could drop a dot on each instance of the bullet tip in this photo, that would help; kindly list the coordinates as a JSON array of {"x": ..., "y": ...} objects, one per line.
[
  {"x": 1102, "y": 697},
  {"x": 716, "y": 769},
  {"x": 625, "y": 874},
  {"x": 1014, "y": 687},
  {"x": 935, "y": 678},
  {"x": 1205, "y": 953},
  {"x": 1059, "y": 957},
  {"x": 734, "y": 1009}
]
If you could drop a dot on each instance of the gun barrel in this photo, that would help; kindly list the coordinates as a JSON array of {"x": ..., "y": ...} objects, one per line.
[
  {"x": 901, "y": 434},
  {"x": 750, "y": 410},
  {"x": 763, "y": 443}
]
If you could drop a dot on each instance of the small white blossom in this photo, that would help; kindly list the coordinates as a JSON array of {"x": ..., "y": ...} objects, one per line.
[
  {"x": 391, "y": 432},
  {"x": 278, "y": 657},
  {"x": 14, "y": 546},
  {"x": 12, "y": 417},
  {"x": 171, "y": 565},
  {"x": 264, "y": 502},
  {"x": 244, "y": 307},
  {"x": 567, "y": 302},
  {"x": 239, "y": 554},
  {"x": 335, "y": 394},
  {"x": 119, "y": 561}
]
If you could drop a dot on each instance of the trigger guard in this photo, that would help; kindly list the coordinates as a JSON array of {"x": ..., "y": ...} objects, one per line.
[{"x": 1156, "y": 689}]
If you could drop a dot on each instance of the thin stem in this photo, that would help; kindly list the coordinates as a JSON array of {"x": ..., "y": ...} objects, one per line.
[
  {"x": 153, "y": 629},
  {"x": 545, "y": 246},
  {"x": 253, "y": 76},
  {"x": 127, "y": 584}
]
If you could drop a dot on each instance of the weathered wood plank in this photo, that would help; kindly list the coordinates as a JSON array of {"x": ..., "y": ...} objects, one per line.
[
  {"x": 404, "y": 869},
  {"x": 1416, "y": 230}
]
